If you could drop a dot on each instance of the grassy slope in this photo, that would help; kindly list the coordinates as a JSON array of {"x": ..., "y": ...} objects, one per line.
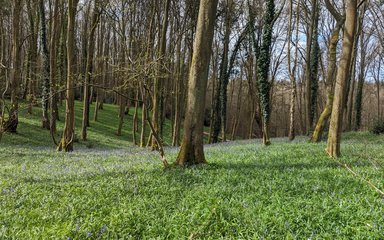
[
  {"x": 101, "y": 134},
  {"x": 247, "y": 191}
]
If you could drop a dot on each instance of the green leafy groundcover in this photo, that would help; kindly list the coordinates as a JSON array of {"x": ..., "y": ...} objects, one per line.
[{"x": 247, "y": 191}]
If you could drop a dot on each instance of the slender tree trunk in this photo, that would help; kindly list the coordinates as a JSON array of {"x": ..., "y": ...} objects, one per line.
[
  {"x": 89, "y": 69},
  {"x": 54, "y": 43},
  {"x": 32, "y": 54},
  {"x": 134, "y": 121},
  {"x": 66, "y": 143},
  {"x": 159, "y": 81},
  {"x": 292, "y": 71},
  {"x": 16, "y": 66},
  {"x": 360, "y": 84}
]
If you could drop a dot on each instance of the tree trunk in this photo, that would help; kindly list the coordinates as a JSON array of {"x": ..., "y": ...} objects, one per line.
[
  {"x": 333, "y": 146},
  {"x": 66, "y": 143},
  {"x": 134, "y": 120},
  {"x": 159, "y": 80},
  {"x": 316, "y": 136},
  {"x": 46, "y": 67},
  {"x": 15, "y": 73},
  {"x": 54, "y": 43},
  {"x": 89, "y": 69},
  {"x": 264, "y": 62},
  {"x": 192, "y": 149}
]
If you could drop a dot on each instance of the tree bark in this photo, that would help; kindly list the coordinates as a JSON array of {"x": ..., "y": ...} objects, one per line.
[
  {"x": 192, "y": 149},
  {"x": 46, "y": 68},
  {"x": 66, "y": 143},
  {"x": 264, "y": 63},
  {"x": 89, "y": 69},
  {"x": 334, "y": 137},
  {"x": 16, "y": 65}
]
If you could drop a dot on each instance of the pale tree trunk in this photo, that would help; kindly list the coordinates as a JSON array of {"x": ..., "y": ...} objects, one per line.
[
  {"x": 66, "y": 143},
  {"x": 334, "y": 137},
  {"x": 192, "y": 149}
]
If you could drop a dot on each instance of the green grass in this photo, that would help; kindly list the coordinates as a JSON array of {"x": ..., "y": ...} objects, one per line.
[
  {"x": 247, "y": 191},
  {"x": 101, "y": 134}
]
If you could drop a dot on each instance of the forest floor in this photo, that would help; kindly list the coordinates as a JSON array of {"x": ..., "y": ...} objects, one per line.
[{"x": 109, "y": 189}]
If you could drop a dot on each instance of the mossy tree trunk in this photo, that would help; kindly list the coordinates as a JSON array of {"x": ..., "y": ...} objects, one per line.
[
  {"x": 334, "y": 137},
  {"x": 331, "y": 73},
  {"x": 192, "y": 149}
]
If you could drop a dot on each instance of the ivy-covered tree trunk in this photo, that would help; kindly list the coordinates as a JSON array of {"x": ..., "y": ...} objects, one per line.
[
  {"x": 314, "y": 62},
  {"x": 221, "y": 90},
  {"x": 264, "y": 62},
  {"x": 46, "y": 68},
  {"x": 192, "y": 149},
  {"x": 360, "y": 84},
  {"x": 312, "y": 66},
  {"x": 330, "y": 84}
]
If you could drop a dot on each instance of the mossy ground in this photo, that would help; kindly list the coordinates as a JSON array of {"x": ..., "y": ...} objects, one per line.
[{"x": 109, "y": 189}]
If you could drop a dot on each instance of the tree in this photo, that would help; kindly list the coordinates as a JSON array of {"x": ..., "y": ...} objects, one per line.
[
  {"x": 53, "y": 49},
  {"x": 334, "y": 137},
  {"x": 46, "y": 68},
  {"x": 264, "y": 63},
  {"x": 66, "y": 143},
  {"x": 159, "y": 80},
  {"x": 15, "y": 74},
  {"x": 292, "y": 69},
  {"x": 192, "y": 150},
  {"x": 89, "y": 68},
  {"x": 331, "y": 72}
]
